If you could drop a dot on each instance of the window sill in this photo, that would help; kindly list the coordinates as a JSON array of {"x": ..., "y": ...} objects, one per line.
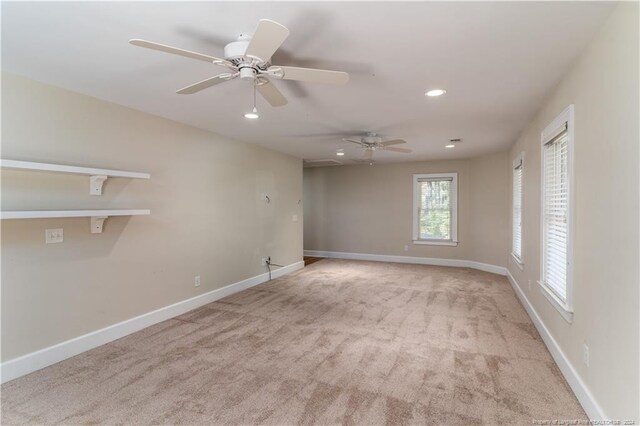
[
  {"x": 560, "y": 306},
  {"x": 518, "y": 262},
  {"x": 436, "y": 243}
]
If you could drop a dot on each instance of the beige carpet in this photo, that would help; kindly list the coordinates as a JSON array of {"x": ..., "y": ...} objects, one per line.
[{"x": 339, "y": 342}]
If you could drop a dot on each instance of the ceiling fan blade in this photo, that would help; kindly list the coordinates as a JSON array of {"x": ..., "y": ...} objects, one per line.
[
  {"x": 271, "y": 93},
  {"x": 354, "y": 141},
  {"x": 394, "y": 149},
  {"x": 393, "y": 142},
  {"x": 201, "y": 85},
  {"x": 309, "y": 74},
  {"x": 267, "y": 38},
  {"x": 181, "y": 52}
]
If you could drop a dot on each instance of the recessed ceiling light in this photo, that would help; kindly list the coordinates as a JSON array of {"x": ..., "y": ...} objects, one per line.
[
  {"x": 340, "y": 152},
  {"x": 436, "y": 92},
  {"x": 252, "y": 115},
  {"x": 450, "y": 146}
]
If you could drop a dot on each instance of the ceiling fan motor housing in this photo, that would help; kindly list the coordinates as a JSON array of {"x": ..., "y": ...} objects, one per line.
[
  {"x": 372, "y": 138},
  {"x": 237, "y": 49}
]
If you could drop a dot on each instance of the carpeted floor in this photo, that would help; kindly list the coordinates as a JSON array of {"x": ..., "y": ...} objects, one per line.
[{"x": 337, "y": 342}]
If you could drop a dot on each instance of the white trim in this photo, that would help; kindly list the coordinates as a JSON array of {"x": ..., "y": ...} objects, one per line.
[
  {"x": 435, "y": 243},
  {"x": 500, "y": 270},
  {"x": 552, "y": 130},
  {"x": 556, "y": 302},
  {"x": 519, "y": 160},
  {"x": 517, "y": 261},
  {"x": 454, "y": 206},
  {"x": 585, "y": 397},
  {"x": 34, "y": 361}
]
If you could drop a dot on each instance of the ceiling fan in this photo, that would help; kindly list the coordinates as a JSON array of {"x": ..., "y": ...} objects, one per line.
[
  {"x": 249, "y": 57},
  {"x": 372, "y": 142}
]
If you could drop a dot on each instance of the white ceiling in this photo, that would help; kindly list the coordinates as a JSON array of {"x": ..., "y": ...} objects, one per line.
[{"x": 498, "y": 61}]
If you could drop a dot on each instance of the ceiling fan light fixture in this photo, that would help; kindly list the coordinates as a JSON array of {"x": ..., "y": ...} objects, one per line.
[
  {"x": 435, "y": 92},
  {"x": 253, "y": 115},
  {"x": 340, "y": 152},
  {"x": 449, "y": 146}
]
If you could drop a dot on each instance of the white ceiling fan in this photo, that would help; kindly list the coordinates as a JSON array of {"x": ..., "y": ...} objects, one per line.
[
  {"x": 372, "y": 142},
  {"x": 249, "y": 57}
]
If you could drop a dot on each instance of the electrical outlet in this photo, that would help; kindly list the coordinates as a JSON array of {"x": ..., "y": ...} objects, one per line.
[
  {"x": 264, "y": 261},
  {"x": 196, "y": 281},
  {"x": 52, "y": 236},
  {"x": 294, "y": 217},
  {"x": 406, "y": 248},
  {"x": 585, "y": 354}
]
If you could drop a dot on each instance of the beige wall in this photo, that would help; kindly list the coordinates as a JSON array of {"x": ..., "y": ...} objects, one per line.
[
  {"x": 603, "y": 85},
  {"x": 368, "y": 209},
  {"x": 206, "y": 218}
]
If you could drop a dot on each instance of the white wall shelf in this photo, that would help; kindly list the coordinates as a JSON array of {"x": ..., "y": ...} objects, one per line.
[
  {"x": 97, "y": 177},
  {"x": 97, "y": 216}
]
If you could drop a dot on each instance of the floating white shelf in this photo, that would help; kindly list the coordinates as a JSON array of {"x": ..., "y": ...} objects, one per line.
[
  {"x": 96, "y": 176},
  {"x": 97, "y": 216}
]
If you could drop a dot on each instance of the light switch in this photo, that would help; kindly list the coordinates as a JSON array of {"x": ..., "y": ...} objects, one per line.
[
  {"x": 52, "y": 236},
  {"x": 294, "y": 218}
]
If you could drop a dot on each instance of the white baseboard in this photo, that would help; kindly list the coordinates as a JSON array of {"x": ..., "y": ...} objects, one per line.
[
  {"x": 34, "y": 361},
  {"x": 585, "y": 397},
  {"x": 410, "y": 259}
]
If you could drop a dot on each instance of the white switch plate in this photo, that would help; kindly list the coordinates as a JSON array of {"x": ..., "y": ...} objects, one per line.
[
  {"x": 196, "y": 281},
  {"x": 52, "y": 236},
  {"x": 294, "y": 218}
]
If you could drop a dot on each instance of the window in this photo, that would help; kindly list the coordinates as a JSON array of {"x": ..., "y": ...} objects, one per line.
[
  {"x": 435, "y": 209},
  {"x": 516, "y": 214},
  {"x": 556, "y": 208}
]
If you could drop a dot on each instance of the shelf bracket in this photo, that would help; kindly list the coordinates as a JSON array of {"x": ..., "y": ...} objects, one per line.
[
  {"x": 96, "y": 224},
  {"x": 95, "y": 184}
]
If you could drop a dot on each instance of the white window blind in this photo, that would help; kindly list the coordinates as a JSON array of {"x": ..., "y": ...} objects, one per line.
[
  {"x": 517, "y": 210},
  {"x": 555, "y": 213},
  {"x": 435, "y": 209}
]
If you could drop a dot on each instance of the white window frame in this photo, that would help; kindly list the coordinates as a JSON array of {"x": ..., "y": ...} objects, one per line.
[
  {"x": 565, "y": 308},
  {"x": 518, "y": 161},
  {"x": 454, "y": 208}
]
